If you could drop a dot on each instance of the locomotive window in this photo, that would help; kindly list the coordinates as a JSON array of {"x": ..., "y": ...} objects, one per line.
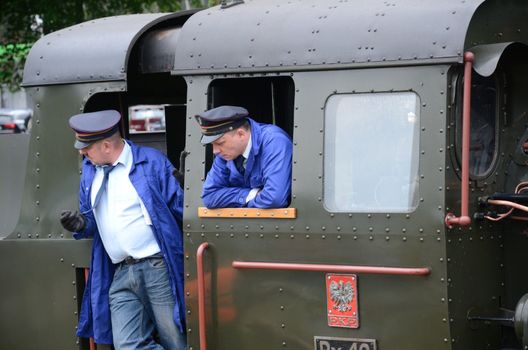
[
  {"x": 371, "y": 152},
  {"x": 484, "y": 121},
  {"x": 268, "y": 100}
]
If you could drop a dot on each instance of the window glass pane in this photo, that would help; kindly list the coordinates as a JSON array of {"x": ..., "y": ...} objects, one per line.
[
  {"x": 372, "y": 152},
  {"x": 483, "y": 124}
]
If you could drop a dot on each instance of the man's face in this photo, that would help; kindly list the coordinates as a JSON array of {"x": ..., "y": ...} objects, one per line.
[
  {"x": 96, "y": 153},
  {"x": 231, "y": 144}
]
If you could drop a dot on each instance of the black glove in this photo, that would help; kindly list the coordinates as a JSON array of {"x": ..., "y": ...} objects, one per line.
[
  {"x": 179, "y": 174},
  {"x": 73, "y": 222}
]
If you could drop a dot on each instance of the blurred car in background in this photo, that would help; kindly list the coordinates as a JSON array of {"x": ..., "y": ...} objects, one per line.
[
  {"x": 146, "y": 118},
  {"x": 20, "y": 117},
  {"x": 8, "y": 125}
]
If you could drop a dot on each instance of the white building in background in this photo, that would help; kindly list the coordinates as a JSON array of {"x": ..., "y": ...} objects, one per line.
[{"x": 13, "y": 100}]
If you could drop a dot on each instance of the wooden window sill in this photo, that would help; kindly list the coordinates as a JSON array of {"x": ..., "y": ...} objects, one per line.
[{"x": 248, "y": 213}]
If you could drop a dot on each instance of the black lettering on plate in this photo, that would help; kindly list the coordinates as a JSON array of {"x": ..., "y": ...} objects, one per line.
[{"x": 332, "y": 343}]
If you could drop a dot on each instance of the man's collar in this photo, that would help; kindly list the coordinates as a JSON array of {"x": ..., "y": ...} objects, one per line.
[{"x": 248, "y": 148}]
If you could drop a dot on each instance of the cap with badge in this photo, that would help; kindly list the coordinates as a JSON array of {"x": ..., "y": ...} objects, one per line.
[
  {"x": 95, "y": 126},
  {"x": 217, "y": 121}
]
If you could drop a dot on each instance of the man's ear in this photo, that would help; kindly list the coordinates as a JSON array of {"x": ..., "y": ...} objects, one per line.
[{"x": 106, "y": 145}]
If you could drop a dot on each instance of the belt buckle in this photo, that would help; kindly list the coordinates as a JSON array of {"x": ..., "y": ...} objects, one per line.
[{"x": 129, "y": 260}]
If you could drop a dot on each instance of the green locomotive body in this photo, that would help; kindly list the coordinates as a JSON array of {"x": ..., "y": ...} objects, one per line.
[{"x": 379, "y": 248}]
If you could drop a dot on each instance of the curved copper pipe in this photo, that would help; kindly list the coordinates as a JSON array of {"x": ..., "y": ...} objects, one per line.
[
  {"x": 377, "y": 270},
  {"x": 464, "y": 219},
  {"x": 508, "y": 204},
  {"x": 201, "y": 294}
]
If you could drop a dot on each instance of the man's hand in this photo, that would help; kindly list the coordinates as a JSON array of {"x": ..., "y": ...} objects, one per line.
[
  {"x": 179, "y": 174},
  {"x": 73, "y": 222}
]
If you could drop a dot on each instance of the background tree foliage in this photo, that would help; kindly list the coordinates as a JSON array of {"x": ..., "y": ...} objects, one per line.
[
  {"x": 22, "y": 22},
  {"x": 12, "y": 58}
]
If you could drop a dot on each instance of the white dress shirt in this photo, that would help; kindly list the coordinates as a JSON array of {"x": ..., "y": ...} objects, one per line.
[
  {"x": 122, "y": 219},
  {"x": 254, "y": 191}
]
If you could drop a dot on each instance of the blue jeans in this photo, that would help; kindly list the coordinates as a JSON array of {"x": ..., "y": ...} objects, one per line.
[{"x": 141, "y": 305}]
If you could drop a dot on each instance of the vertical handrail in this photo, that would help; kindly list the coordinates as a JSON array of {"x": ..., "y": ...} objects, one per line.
[
  {"x": 201, "y": 294},
  {"x": 86, "y": 275},
  {"x": 464, "y": 219}
]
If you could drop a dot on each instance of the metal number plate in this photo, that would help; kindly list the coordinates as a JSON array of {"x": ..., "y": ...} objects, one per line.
[{"x": 330, "y": 343}]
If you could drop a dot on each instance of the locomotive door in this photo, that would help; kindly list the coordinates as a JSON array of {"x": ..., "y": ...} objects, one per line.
[{"x": 271, "y": 283}]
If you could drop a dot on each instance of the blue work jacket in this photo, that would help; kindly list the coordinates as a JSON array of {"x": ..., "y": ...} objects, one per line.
[
  {"x": 268, "y": 167},
  {"x": 151, "y": 176}
]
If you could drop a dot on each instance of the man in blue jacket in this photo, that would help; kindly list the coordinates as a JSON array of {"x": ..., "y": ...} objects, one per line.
[
  {"x": 252, "y": 165},
  {"x": 132, "y": 207}
]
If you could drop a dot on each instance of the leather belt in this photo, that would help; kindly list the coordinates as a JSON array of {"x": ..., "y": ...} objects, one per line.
[{"x": 132, "y": 261}]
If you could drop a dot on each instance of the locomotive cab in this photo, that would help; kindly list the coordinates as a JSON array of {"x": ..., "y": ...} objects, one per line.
[
  {"x": 380, "y": 253},
  {"x": 406, "y": 226},
  {"x": 120, "y": 63}
]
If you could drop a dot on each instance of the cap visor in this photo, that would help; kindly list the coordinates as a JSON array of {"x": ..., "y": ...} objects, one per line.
[
  {"x": 206, "y": 139},
  {"x": 80, "y": 145}
]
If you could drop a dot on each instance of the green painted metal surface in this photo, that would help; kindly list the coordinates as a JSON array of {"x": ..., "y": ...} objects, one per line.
[{"x": 474, "y": 270}]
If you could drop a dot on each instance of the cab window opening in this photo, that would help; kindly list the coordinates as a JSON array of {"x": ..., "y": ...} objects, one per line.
[
  {"x": 146, "y": 120},
  {"x": 268, "y": 100},
  {"x": 485, "y": 105}
]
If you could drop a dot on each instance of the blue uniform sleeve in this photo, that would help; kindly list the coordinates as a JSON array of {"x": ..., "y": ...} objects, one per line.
[
  {"x": 276, "y": 158},
  {"x": 218, "y": 192}
]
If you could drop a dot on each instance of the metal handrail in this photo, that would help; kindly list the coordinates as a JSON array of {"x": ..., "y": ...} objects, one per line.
[
  {"x": 201, "y": 294},
  {"x": 464, "y": 219},
  {"x": 86, "y": 276},
  {"x": 377, "y": 270}
]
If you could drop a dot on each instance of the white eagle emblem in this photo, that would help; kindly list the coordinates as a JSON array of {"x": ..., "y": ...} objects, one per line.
[{"x": 341, "y": 294}]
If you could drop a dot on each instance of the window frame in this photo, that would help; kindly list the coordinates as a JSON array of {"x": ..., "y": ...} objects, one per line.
[{"x": 414, "y": 176}]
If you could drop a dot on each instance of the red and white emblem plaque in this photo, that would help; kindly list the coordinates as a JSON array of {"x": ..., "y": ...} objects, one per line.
[{"x": 341, "y": 300}]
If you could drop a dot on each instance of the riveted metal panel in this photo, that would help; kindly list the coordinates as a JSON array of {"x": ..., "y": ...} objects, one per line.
[
  {"x": 38, "y": 298},
  {"x": 291, "y": 33},
  {"x": 266, "y": 309},
  {"x": 51, "y": 179},
  {"x": 78, "y": 53},
  {"x": 498, "y": 21},
  {"x": 487, "y": 260}
]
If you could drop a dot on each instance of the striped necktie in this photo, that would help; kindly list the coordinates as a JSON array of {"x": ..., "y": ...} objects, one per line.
[{"x": 107, "y": 169}]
